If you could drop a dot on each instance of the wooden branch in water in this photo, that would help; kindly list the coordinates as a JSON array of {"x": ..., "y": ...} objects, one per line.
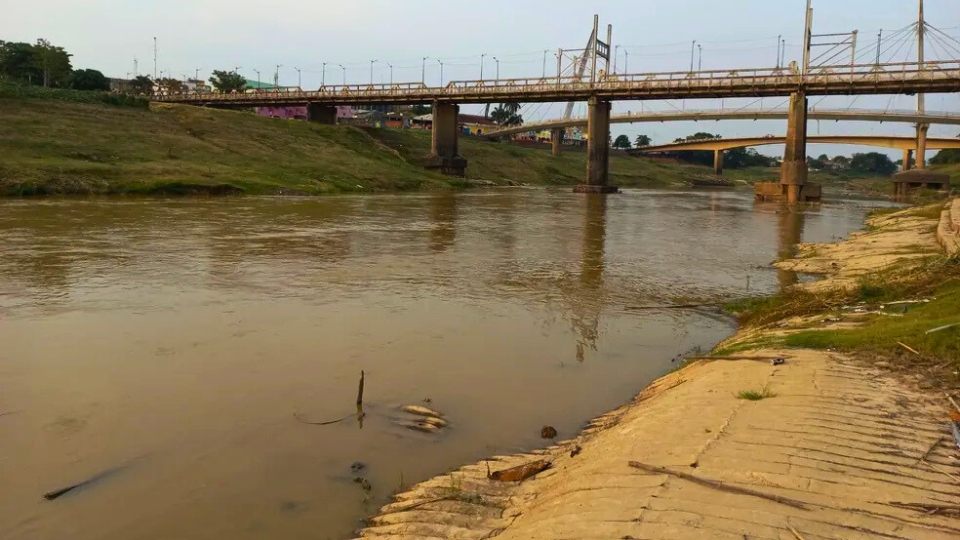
[
  {"x": 909, "y": 348},
  {"x": 930, "y": 450},
  {"x": 331, "y": 422},
  {"x": 716, "y": 484},
  {"x": 360, "y": 391}
]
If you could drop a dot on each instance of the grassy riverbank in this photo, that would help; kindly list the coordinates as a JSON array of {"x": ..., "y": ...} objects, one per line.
[
  {"x": 79, "y": 146},
  {"x": 57, "y": 147}
]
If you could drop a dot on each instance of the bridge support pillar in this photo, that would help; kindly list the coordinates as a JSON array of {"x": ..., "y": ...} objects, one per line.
[
  {"x": 922, "y": 146},
  {"x": 907, "y": 158},
  {"x": 323, "y": 114},
  {"x": 556, "y": 140},
  {"x": 718, "y": 162},
  {"x": 793, "y": 171},
  {"x": 445, "y": 143},
  {"x": 598, "y": 148}
]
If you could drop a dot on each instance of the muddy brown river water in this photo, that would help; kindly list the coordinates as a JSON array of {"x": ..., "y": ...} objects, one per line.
[{"x": 168, "y": 342}]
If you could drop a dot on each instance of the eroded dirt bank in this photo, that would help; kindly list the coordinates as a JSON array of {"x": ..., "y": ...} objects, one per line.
[{"x": 831, "y": 447}]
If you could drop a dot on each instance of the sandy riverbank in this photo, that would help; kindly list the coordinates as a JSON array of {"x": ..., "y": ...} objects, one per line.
[{"x": 836, "y": 449}]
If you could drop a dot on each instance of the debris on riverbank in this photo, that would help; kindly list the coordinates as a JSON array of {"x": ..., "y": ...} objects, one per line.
[{"x": 851, "y": 447}]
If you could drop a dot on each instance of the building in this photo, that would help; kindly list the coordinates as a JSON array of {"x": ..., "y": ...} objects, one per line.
[
  {"x": 300, "y": 113},
  {"x": 470, "y": 124}
]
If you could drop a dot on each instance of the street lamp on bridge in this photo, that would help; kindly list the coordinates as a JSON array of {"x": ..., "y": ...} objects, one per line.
[
  {"x": 391, "y": 73},
  {"x": 299, "y": 79},
  {"x": 257, "y": 71},
  {"x": 372, "y": 62},
  {"x": 481, "y": 65},
  {"x": 323, "y": 75},
  {"x": 441, "y": 71},
  {"x": 700, "y": 58},
  {"x": 344, "y": 74},
  {"x": 423, "y": 70},
  {"x": 498, "y": 67},
  {"x": 276, "y": 76},
  {"x": 693, "y": 46}
]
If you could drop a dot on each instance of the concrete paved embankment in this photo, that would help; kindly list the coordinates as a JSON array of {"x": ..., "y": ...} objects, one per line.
[{"x": 836, "y": 449}]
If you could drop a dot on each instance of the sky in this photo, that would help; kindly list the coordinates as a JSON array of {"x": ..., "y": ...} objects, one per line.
[{"x": 198, "y": 36}]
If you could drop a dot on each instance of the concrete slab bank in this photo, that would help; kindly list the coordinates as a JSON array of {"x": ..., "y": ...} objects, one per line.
[{"x": 835, "y": 451}]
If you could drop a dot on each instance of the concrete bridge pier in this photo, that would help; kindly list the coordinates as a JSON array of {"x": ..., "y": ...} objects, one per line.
[
  {"x": 718, "y": 162},
  {"x": 598, "y": 148},
  {"x": 445, "y": 143},
  {"x": 793, "y": 171},
  {"x": 922, "y": 130},
  {"x": 556, "y": 140},
  {"x": 320, "y": 113},
  {"x": 907, "y": 158}
]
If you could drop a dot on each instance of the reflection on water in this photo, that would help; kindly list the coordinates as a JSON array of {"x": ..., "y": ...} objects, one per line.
[
  {"x": 176, "y": 338},
  {"x": 790, "y": 231}
]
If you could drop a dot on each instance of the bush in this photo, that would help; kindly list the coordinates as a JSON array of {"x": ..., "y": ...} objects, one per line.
[{"x": 19, "y": 91}]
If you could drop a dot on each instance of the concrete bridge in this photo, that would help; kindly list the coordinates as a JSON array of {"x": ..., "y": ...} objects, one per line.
[
  {"x": 907, "y": 144},
  {"x": 910, "y": 117}
]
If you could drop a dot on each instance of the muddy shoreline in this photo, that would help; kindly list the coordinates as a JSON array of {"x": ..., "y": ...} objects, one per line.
[{"x": 857, "y": 449}]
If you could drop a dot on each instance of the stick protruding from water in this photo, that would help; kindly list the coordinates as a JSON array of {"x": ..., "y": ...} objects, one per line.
[{"x": 360, "y": 390}]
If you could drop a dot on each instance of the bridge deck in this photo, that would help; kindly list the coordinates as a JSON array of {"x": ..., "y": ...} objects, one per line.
[{"x": 906, "y": 78}]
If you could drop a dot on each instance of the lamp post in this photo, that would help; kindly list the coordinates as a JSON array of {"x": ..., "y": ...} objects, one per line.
[
  {"x": 498, "y": 67},
  {"x": 391, "y": 74},
  {"x": 323, "y": 76},
  {"x": 299, "y": 78},
  {"x": 372, "y": 62},
  {"x": 626, "y": 62},
  {"x": 441, "y": 71},
  {"x": 783, "y": 52},
  {"x": 196, "y": 74},
  {"x": 257, "y": 71},
  {"x": 693, "y": 46},
  {"x": 700, "y": 58},
  {"x": 276, "y": 76},
  {"x": 616, "y": 54},
  {"x": 779, "y": 39},
  {"x": 423, "y": 70},
  {"x": 344, "y": 74},
  {"x": 482, "y": 56},
  {"x": 545, "y": 64}
]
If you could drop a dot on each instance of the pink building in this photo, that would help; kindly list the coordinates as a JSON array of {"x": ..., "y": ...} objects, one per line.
[{"x": 300, "y": 113}]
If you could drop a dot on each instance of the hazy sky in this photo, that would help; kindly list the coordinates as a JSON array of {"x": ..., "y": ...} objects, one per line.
[{"x": 657, "y": 34}]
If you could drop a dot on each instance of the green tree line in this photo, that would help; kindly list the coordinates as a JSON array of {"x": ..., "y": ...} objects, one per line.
[{"x": 47, "y": 65}]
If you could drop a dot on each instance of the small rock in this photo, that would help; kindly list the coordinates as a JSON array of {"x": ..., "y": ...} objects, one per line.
[
  {"x": 548, "y": 432},
  {"x": 576, "y": 451}
]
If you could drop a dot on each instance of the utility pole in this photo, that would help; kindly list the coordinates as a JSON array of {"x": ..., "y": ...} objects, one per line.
[
  {"x": 693, "y": 46},
  {"x": 154, "y": 58},
  {"x": 807, "y": 38}
]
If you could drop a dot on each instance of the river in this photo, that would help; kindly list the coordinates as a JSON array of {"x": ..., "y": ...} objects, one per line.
[{"x": 169, "y": 342}]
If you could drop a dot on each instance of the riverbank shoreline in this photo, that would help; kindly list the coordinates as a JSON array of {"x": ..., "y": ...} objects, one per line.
[{"x": 842, "y": 441}]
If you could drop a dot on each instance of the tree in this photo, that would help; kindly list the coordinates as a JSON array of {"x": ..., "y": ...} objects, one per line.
[
  {"x": 622, "y": 141},
  {"x": 506, "y": 114},
  {"x": 945, "y": 157},
  {"x": 142, "y": 85},
  {"x": 18, "y": 63},
  {"x": 228, "y": 81},
  {"x": 643, "y": 140},
  {"x": 420, "y": 109},
  {"x": 873, "y": 163},
  {"x": 53, "y": 62},
  {"x": 89, "y": 79}
]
